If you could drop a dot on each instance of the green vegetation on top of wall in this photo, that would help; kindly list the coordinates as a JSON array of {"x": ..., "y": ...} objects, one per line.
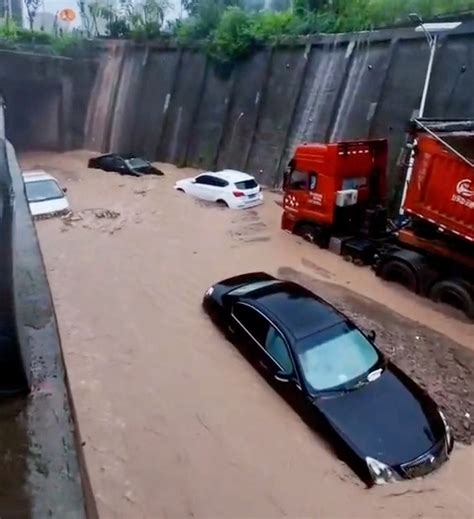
[
  {"x": 229, "y": 32},
  {"x": 12, "y": 36}
]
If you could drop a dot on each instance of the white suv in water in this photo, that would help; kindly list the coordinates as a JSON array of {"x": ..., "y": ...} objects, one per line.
[
  {"x": 231, "y": 188},
  {"x": 44, "y": 194}
]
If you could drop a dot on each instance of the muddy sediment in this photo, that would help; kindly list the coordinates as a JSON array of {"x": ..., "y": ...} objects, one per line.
[{"x": 176, "y": 423}]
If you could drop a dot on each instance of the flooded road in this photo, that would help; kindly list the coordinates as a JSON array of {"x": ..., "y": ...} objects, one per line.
[{"x": 176, "y": 423}]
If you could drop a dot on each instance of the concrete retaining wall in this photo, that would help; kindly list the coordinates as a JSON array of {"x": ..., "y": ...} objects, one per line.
[
  {"x": 47, "y": 99},
  {"x": 173, "y": 104},
  {"x": 324, "y": 89}
]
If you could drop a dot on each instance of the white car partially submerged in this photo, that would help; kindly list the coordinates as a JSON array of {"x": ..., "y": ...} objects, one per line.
[
  {"x": 230, "y": 188},
  {"x": 45, "y": 196}
]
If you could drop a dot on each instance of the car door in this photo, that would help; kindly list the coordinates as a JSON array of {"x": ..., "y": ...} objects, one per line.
[
  {"x": 201, "y": 187},
  {"x": 266, "y": 343},
  {"x": 120, "y": 166},
  {"x": 271, "y": 353},
  {"x": 107, "y": 163}
]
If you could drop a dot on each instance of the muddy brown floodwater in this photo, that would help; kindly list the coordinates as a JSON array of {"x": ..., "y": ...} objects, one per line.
[{"x": 176, "y": 423}]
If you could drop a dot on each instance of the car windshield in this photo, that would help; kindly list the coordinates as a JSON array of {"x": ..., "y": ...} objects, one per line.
[
  {"x": 136, "y": 163},
  {"x": 43, "y": 190},
  {"x": 246, "y": 184},
  {"x": 336, "y": 358}
]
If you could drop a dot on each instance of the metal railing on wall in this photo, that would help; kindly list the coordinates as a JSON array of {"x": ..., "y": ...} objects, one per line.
[{"x": 12, "y": 374}]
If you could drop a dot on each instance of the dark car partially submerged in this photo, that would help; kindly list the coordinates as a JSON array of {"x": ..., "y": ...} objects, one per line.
[
  {"x": 377, "y": 419},
  {"x": 124, "y": 164}
]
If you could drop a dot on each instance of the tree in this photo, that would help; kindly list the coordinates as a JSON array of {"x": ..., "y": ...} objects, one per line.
[
  {"x": 85, "y": 17},
  {"x": 31, "y": 10},
  {"x": 193, "y": 7},
  {"x": 95, "y": 14}
]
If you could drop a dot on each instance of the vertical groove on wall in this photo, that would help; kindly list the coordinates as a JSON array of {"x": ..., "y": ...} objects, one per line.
[
  {"x": 391, "y": 53},
  {"x": 340, "y": 93},
  {"x": 111, "y": 115},
  {"x": 306, "y": 57},
  {"x": 166, "y": 117},
  {"x": 263, "y": 92},
  {"x": 197, "y": 106},
  {"x": 225, "y": 121}
]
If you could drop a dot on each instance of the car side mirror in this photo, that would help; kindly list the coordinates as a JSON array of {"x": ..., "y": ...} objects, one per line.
[
  {"x": 286, "y": 178},
  {"x": 64, "y": 189},
  {"x": 372, "y": 335}
]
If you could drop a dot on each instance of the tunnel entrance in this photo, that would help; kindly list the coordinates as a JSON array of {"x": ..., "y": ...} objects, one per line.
[{"x": 33, "y": 114}]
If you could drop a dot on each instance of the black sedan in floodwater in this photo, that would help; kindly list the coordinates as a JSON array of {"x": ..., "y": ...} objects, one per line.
[
  {"x": 124, "y": 164},
  {"x": 378, "y": 420}
]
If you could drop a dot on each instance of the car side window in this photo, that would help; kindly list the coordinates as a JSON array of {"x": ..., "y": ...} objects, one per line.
[
  {"x": 253, "y": 322},
  {"x": 119, "y": 163},
  {"x": 220, "y": 182},
  {"x": 298, "y": 180},
  {"x": 277, "y": 349},
  {"x": 204, "y": 180}
]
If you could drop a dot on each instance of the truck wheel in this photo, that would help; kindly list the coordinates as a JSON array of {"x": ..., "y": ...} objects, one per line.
[
  {"x": 307, "y": 232},
  {"x": 398, "y": 271},
  {"x": 454, "y": 292},
  {"x": 313, "y": 234}
]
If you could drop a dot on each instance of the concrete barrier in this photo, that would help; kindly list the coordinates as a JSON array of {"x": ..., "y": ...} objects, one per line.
[
  {"x": 45, "y": 473},
  {"x": 12, "y": 373}
]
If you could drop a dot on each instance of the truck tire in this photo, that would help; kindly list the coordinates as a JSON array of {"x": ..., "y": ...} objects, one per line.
[
  {"x": 313, "y": 234},
  {"x": 454, "y": 292},
  {"x": 400, "y": 272}
]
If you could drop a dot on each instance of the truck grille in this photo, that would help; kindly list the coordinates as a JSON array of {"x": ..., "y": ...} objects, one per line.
[{"x": 425, "y": 463}]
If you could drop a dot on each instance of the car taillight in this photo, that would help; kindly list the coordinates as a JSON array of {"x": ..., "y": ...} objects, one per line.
[{"x": 238, "y": 194}]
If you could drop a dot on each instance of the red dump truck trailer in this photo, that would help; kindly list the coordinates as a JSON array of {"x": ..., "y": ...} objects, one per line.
[{"x": 335, "y": 196}]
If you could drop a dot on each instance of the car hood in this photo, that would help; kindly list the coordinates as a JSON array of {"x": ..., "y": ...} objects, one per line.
[{"x": 391, "y": 419}]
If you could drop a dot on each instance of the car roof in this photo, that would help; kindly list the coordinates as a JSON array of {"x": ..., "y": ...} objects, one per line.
[
  {"x": 295, "y": 309},
  {"x": 36, "y": 176},
  {"x": 120, "y": 155},
  {"x": 230, "y": 175}
]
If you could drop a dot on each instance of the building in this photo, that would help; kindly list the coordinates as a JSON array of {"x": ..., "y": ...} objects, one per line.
[{"x": 12, "y": 8}]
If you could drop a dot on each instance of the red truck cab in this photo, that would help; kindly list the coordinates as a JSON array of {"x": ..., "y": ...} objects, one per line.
[{"x": 329, "y": 186}]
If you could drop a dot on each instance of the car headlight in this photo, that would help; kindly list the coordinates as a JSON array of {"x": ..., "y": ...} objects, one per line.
[
  {"x": 209, "y": 292},
  {"x": 447, "y": 429},
  {"x": 380, "y": 472}
]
